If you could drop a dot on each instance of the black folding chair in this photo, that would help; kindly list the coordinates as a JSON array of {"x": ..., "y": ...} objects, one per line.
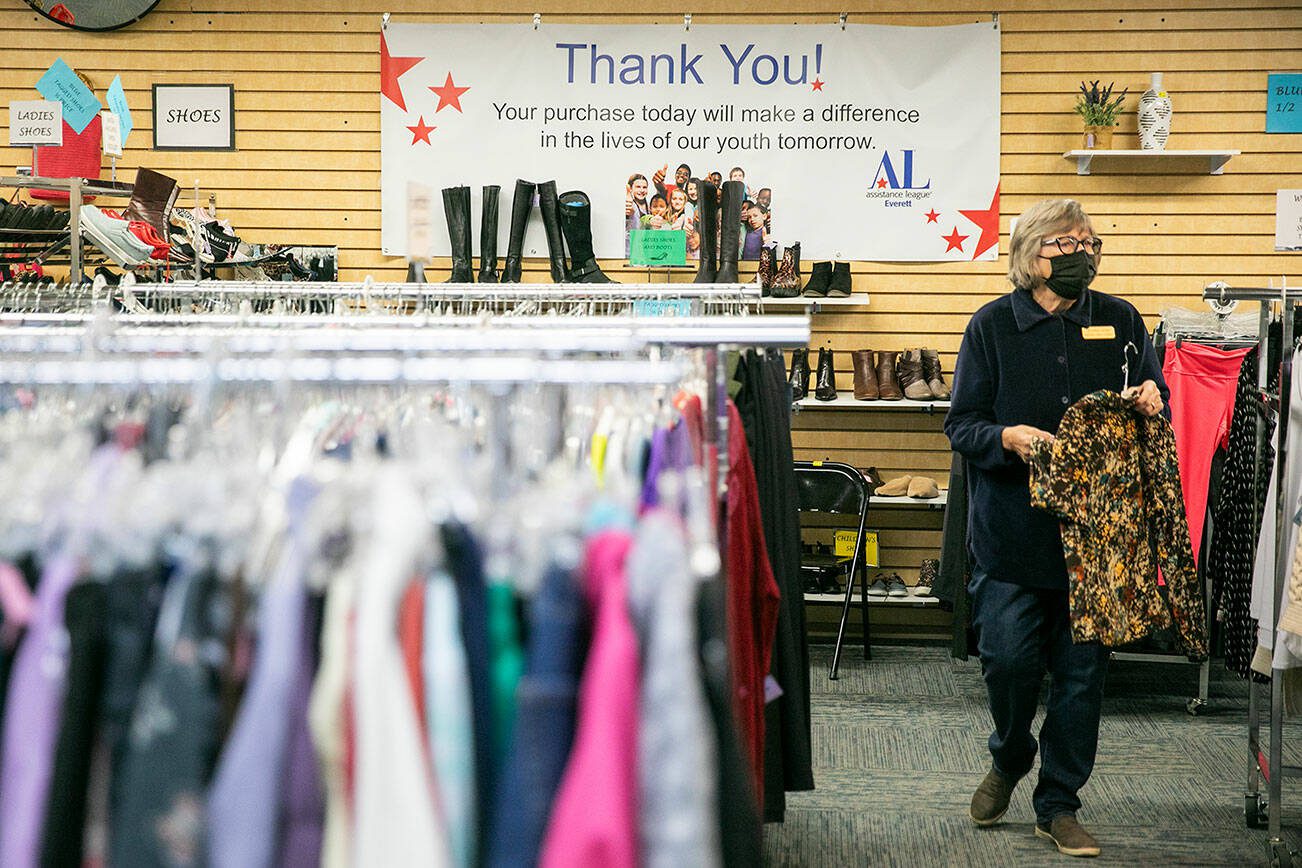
[{"x": 839, "y": 489}]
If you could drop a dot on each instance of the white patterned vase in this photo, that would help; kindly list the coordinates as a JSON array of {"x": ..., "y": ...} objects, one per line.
[{"x": 1154, "y": 116}]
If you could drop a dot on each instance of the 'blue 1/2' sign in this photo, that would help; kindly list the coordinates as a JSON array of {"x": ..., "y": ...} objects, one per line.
[{"x": 1284, "y": 102}]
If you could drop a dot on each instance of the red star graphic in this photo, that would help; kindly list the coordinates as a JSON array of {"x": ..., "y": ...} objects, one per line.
[
  {"x": 988, "y": 221},
  {"x": 420, "y": 132},
  {"x": 932, "y": 216},
  {"x": 818, "y": 84},
  {"x": 449, "y": 95},
  {"x": 954, "y": 240},
  {"x": 391, "y": 68},
  {"x": 881, "y": 183}
]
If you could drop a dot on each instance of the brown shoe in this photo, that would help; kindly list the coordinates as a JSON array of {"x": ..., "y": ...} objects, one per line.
[
  {"x": 865, "y": 375},
  {"x": 888, "y": 385},
  {"x": 911, "y": 378},
  {"x": 1069, "y": 835},
  {"x": 931, "y": 372},
  {"x": 990, "y": 801},
  {"x": 897, "y": 487},
  {"x": 923, "y": 488}
]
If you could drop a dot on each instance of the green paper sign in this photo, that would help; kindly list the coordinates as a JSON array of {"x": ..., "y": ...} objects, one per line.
[{"x": 657, "y": 247}]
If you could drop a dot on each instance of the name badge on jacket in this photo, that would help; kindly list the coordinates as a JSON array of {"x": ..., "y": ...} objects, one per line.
[{"x": 1098, "y": 333}]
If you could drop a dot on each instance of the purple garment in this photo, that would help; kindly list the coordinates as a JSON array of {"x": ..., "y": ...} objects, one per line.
[
  {"x": 670, "y": 450},
  {"x": 242, "y": 817},
  {"x": 303, "y": 809},
  {"x": 32, "y": 718}
]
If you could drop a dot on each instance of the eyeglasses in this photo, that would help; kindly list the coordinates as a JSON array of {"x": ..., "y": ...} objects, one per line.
[{"x": 1070, "y": 244}]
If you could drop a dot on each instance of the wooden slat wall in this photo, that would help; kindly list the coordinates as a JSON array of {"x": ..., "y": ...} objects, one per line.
[{"x": 306, "y": 77}]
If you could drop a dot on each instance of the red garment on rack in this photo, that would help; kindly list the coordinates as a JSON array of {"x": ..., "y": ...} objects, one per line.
[
  {"x": 411, "y": 636},
  {"x": 1203, "y": 381},
  {"x": 753, "y": 596}
]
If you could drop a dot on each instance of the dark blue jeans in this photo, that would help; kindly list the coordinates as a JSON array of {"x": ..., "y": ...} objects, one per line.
[{"x": 1021, "y": 632}]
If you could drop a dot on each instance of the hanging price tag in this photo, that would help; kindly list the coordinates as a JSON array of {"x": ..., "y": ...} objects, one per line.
[{"x": 112, "y": 133}]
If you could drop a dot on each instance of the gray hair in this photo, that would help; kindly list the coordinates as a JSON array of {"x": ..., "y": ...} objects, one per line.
[{"x": 1044, "y": 219}]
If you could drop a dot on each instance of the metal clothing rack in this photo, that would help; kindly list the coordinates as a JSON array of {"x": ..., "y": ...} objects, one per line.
[{"x": 1272, "y": 769}]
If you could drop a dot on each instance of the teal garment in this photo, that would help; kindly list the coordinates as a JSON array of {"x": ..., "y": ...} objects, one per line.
[
  {"x": 446, "y": 674},
  {"x": 506, "y": 661}
]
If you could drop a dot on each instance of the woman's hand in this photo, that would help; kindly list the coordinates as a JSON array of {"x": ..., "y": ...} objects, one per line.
[
  {"x": 1145, "y": 397},
  {"x": 1020, "y": 439}
]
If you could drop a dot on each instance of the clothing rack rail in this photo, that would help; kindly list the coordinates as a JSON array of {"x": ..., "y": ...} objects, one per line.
[{"x": 1272, "y": 768}]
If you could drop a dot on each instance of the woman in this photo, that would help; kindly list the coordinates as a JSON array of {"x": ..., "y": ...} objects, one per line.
[
  {"x": 677, "y": 217},
  {"x": 1025, "y": 358}
]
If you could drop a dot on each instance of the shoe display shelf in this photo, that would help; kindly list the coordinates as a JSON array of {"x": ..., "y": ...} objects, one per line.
[
  {"x": 917, "y": 601},
  {"x": 847, "y": 401},
  {"x": 813, "y": 304},
  {"x": 906, "y": 501},
  {"x": 1211, "y": 161},
  {"x": 63, "y": 246}
]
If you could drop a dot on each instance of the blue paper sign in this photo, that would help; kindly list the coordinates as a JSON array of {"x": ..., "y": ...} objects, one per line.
[
  {"x": 117, "y": 101},
  {"x": 662, "y": 307},
  {"x": 1284, "y": 102},
  {"x": 80, "y": 105}
]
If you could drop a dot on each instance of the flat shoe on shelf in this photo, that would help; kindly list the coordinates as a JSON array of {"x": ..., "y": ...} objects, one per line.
[{"x": 923, "y": 488}]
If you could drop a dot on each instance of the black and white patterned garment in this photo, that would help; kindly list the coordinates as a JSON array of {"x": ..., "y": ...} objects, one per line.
[{"x": 1235, "y": 526}]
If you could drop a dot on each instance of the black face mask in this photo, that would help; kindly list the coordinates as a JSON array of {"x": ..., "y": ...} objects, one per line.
[{"x": 1070, "y": 273}]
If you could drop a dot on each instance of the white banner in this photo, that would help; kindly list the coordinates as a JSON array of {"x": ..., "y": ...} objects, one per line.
[{"x": 862, "y": 142}]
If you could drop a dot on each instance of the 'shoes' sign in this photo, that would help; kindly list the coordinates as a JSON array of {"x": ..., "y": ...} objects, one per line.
[{"x": 194, "y": 117}]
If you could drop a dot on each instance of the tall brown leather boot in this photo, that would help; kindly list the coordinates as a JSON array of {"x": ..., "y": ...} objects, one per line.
[
  {"x": 865, "y": 376},
  {"x": 888, "y": 385},
  {"x": 931, "y": 371},
  {"x": 911, "y": 378}
]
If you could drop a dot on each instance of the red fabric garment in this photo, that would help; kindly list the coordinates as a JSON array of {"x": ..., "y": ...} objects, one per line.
[
  {"x": 1203, "y": 381},
  {"x": 753, "y": 596},
  {"x": 78, "y": 157},
  {"x": 411, "y": 633}
]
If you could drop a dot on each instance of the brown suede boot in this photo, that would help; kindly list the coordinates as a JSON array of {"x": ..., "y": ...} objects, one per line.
[
  {"x": 888, "y": 385},
  {"x": 1070, "y": 836},
  {"x": 897, "y": 487},
  {"x": 865, "y": 375},
  {"x": 911, "y": 378},
  {"x": 990, "y": 801},
  {"x": 923, "y": 488},
  {"x": 931, "y": 372}
]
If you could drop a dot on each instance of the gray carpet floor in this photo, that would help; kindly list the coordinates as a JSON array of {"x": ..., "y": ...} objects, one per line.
[{"x": 899, "y": 745}]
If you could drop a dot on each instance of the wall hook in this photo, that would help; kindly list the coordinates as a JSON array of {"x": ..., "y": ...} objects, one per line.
[
  {"x": 537, "y": 20},
  {"x": 842, "y": 18},
  {"x": 994, "y": 18},
  {"x": 384, "y": 21},
  {"x": 687, "y": 21}
]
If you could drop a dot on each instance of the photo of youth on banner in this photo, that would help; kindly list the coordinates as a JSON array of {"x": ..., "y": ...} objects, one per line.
[
  {"x": 672, "y": 203},
  {"x": 882, "y": 142}
]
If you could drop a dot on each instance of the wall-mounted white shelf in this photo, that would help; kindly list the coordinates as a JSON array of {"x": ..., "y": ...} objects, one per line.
[
  {"x": 905, "y": 501},
  {"x": 816, "y": 303},
  {"x": 847, "y": 401},
  {"x": 916, "y": 600},
  {"x": 1215, "y": 159}
]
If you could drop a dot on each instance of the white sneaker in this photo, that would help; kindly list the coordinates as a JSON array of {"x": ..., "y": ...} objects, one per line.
[{"x": 107, "y": 234}]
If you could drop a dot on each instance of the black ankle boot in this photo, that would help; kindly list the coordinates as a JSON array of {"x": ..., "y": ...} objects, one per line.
[
  {"x": 576, "y": 222},
  {"x": 799, "y": 378},
  {"x": 839, "y": 287},
  {"x": 734, "y": 192},
  {"x": 820, "y": 280},
  {"x": 456, "y": 207},
  {"x": 826, "y": 388},
  {"x": 488, "y": 234},
  {"x": 548, "y": 205},
  {"x": 707, "y": 208},
  {"x": 521, "y": 205}
]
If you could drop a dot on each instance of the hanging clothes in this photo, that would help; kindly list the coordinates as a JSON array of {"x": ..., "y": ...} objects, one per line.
[
  {"x": 753, "y": 597},
  {"x": 1203, "y": 381},
  {"x": 764, "y": 404},
  {"x": 1112, "y": 476},
  {"x": 1236, "y": 520},
  {"x": 451, "y": 733},
  {"x": 594, "y": 819},
  {"x": 677, "y": 753}
]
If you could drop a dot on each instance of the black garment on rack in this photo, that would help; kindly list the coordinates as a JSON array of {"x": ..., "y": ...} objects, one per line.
[
  {"x": 764, "y": 402},
  {"x": 31, "y": 573},
  {"x": 955, "y": 567},
  {"x": 65, "y": 810},
  {"x": 1236, "y": 524}
]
